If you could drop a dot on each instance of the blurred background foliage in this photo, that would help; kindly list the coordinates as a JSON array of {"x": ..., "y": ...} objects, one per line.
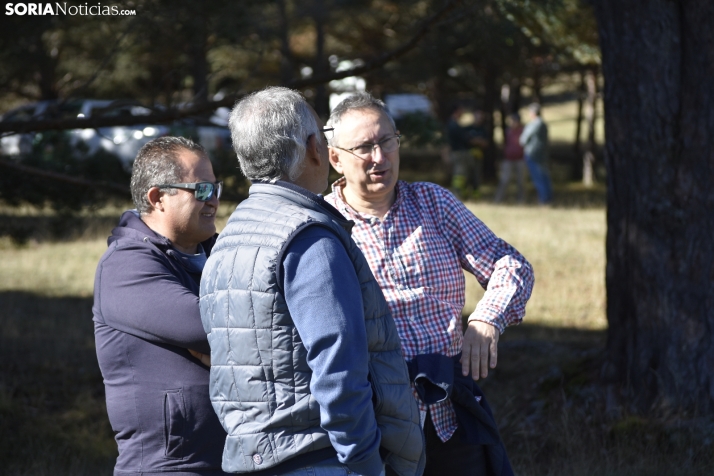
[
  {"x": 489, "y": 54},
  {"x": 178, "y": 51}
]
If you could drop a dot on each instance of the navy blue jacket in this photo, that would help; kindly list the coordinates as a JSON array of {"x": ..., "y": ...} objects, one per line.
[
  {"x": 145, "y": 318},
  {"x": 436, "y": 378}
]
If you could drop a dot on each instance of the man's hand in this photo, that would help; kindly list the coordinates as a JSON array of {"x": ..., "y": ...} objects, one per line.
[
  {"x": 204, "y": 358},
  {"x": 480, "y": 346}
]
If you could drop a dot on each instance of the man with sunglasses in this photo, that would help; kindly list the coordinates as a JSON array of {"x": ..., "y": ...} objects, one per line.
[
  {"x": 148, "y": 331},
  {"x": 307, "y": 375},
  {"x": 418, "y": 238}
]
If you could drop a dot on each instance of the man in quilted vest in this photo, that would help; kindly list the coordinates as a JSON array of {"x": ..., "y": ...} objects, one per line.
[{"x": 307, "y": 372}]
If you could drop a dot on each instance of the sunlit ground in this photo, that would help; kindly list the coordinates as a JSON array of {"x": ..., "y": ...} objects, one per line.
[
  {"x": 545, "y": 391},
  {"x": 567, "y": 250},
  {"x": 565, "y": 247}
]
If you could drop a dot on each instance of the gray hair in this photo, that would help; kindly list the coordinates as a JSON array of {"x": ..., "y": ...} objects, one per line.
[
  {"x": 270, "y": 130},
  {"x": 156, "y": 164},
  {"x": 361, "y": 100},
  {"x": 534, "y": 108}
]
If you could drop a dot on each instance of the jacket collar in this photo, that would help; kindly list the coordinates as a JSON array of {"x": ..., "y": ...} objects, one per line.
[
  {"x": 303, "y": 197},
  {"x": 132, "y": 226}
]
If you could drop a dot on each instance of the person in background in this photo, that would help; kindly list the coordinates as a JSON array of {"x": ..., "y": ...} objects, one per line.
[
  {"x": 512, "y": 160},
  {"x": 478, "y": 138},
  {"x": 418, "y": 238},
  {"x": 146, "y": 316},
  {"x": 534, "y": 140},
  {"x": 467, "y": 146},
  {"x": 307, "y": 375}
]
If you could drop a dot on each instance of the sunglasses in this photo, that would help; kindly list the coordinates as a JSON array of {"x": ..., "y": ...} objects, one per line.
[{"x": 203, "y": 191}]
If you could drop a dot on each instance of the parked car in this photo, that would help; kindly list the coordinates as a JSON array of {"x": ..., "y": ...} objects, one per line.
[
  {"x": 121, "y": 142},
  {"x": 18, "y": 145},
  {"x": 212, "y": 132}
]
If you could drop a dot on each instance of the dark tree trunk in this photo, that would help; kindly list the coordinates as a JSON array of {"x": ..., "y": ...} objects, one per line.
[
  {"x": 658, "y": 64},
  {"x": 198, "y": 50},
  {"x": 515, "y": 98},
  {"x": 590, "y": 113},
  {"x": 199, "y": 69},
  {"x": 440, "y": 96},
  {"x": 503, "y": 106},
  {"x": 322, "y": 99},
  {"x": 490, "y": 98},
  {"x": 47, "y": 71},
  {"x": 46, "y": 79},
  {"x": 579, "y": 119},
  {"x": 537, "y": 84},
  {"x": 505, "y": 97},
  {"x": 286, "y": 56}
]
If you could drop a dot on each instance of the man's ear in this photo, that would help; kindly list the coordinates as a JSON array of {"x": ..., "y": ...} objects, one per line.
[
  {"x": 312, "y": 152},
  {"x": 154, "y": 196},
  {"x": 335, "y": 160}
]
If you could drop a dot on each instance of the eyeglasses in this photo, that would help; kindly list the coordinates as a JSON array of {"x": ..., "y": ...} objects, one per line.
[
  {"x": 364, "y": 151},
  {"x": 203, "y": 191},
  {"x": 328, "y": 132}
]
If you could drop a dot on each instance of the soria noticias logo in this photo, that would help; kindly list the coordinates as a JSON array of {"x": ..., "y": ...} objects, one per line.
[{"x": 58, "y": 8}]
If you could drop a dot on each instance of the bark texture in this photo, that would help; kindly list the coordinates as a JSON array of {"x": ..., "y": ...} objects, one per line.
[{"x": 658, "y": 64}]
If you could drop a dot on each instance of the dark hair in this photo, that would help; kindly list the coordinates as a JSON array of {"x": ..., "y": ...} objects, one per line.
[{"x": 156, "y": 163}]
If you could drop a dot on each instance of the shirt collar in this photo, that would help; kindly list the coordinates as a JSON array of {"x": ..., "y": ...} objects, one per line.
[
  {"x": 347, "y": 210},
  {"x": 194, "y": 263}
]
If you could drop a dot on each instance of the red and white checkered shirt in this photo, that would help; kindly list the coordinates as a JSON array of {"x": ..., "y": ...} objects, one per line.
[{"x": 417, "y": 252}]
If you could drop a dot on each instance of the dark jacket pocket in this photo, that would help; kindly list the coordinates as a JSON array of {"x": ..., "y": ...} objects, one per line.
[{"x": 174, "y": 423}]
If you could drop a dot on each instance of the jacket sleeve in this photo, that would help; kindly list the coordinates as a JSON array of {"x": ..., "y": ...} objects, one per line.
[
  {"x": 325, "y": 301},
  {"x": 501, "y": 270},
  {"x": 136, "y": 293}
]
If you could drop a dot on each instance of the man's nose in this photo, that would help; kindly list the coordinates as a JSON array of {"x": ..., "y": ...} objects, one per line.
[
  {"x": 213, "y": 200},
  {"x": 378, "y": 155}
]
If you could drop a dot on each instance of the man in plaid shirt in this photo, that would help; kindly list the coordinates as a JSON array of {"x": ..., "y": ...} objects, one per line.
[{"x": 417, "y": 239}]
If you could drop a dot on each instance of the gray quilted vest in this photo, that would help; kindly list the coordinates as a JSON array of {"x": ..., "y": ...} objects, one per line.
[{"x": 260, "y": 380}]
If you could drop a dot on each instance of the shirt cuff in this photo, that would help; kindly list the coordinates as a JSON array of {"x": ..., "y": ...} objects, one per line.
[
  {"x": 373, "y": 466},
  {"x": 488, "y": 317}
]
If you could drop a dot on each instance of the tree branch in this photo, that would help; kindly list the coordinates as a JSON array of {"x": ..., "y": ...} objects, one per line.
[
  {"x": 162, "y": 117},
  {"x": 171, "y": 115},
  {"x": 116, "y": 189},
  {"x": 381, "y": 60}
]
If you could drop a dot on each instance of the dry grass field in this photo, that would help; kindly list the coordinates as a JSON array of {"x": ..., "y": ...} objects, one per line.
[
  {"x": 544, "y": 392},
  {"x": 567, "y": 250}
]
